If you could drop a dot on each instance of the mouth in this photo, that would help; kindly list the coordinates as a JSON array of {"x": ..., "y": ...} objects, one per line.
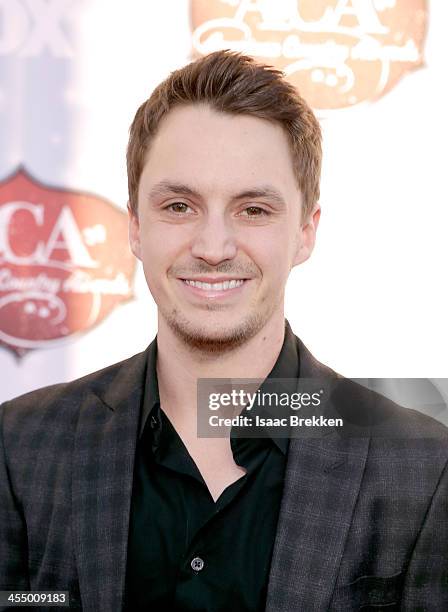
[{"x": 213, "y": 288}]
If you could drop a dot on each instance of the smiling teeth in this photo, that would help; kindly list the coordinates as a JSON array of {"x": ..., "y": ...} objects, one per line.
[{"x": 215, "y": 286}]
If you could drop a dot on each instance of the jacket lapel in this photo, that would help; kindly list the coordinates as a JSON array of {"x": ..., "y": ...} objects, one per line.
[
  {"x": 322, "y": 481},
  {"x": 103, "y": 462}
]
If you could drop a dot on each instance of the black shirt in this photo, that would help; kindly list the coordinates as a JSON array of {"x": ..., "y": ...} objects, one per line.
[{"x": 186, "y": 551}]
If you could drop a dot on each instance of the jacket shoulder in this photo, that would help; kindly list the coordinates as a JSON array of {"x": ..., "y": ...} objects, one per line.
[
  {"x": 389, "y": 422},
  {"x": 393, "y": 428},
  {"x": 68, "y": 395}
]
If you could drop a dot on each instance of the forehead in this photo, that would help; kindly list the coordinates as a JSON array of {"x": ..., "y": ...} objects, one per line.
[{"x": 219, "y": 151}]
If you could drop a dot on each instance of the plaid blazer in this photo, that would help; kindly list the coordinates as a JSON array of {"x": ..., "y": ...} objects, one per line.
[{"x": 363, "y": 523}]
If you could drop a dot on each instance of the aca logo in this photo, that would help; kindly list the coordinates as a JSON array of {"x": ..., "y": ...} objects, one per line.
[
  {"x": 64, "y": 262},
  {"x": 338, "y": 53}
]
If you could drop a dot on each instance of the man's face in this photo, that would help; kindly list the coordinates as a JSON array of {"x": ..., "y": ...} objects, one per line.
[{"x": 219, "y": 225}]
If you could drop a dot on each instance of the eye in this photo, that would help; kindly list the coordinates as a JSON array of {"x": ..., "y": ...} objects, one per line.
[
  {"x": 255, "y": 212},
  {"x": 179, "y": 208}
]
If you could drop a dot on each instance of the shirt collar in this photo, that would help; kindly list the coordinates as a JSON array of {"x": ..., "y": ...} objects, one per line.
[
  {"x": 287, "y": 366},
  {"x": 151, "y": 391},
  {"x": 287, "y": 370}
]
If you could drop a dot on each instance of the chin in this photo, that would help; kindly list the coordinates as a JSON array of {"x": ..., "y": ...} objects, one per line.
[{"x": 215, "y": 339}]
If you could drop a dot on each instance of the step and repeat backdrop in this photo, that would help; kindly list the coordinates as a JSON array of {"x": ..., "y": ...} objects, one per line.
[{"x": 372, "y": 300}]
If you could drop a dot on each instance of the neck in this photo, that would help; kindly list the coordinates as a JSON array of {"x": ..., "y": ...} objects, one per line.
[{"x": 179, "y": 367}]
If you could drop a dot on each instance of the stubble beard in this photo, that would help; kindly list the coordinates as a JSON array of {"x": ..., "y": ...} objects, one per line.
[{"x": 222, "y": 340}]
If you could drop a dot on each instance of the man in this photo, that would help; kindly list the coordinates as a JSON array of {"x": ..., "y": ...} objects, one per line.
[{"x": 108, "y": 492}]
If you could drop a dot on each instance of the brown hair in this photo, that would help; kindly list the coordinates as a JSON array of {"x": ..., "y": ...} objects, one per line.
[{"x": 232, "y": 83}]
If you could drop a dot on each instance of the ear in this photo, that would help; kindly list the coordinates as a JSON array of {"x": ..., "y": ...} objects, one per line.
[
  {"x": 134, "y": 232},
  {"x": 307, "y": 236}
]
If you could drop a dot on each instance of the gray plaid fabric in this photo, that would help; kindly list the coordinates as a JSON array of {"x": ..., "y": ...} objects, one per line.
[{"x": 363, "y": 522}]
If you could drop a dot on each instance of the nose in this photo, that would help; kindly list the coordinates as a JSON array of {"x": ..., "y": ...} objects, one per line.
[{"x": 215, "y": 240}]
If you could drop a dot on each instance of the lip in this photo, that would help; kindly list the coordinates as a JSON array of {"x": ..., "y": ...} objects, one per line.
[
  {"x": 213, "y": 294},
  {"x": 212, "y": 279}
]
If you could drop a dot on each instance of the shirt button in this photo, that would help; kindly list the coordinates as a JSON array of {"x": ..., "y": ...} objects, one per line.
[
  {"x": 197, "y": 564},
  {"x": 154, "y": 422}
]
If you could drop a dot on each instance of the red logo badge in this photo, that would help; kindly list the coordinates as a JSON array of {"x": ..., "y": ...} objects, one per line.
[{"x": 65, "y": 262}]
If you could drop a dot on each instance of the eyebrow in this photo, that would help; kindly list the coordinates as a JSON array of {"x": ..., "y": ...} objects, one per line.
[
  {"x": 167, "y": 187},
  {"x": 264, "y": 191},
  {"x": 267, "y": 192}
]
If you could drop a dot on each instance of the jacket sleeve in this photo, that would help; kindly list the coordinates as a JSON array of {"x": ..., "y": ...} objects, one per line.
[
  {"x": 13, "y": 537},
  {"x": 426, "y": 582}
]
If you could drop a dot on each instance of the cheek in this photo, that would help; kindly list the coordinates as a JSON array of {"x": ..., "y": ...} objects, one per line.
[
  {"x": 162, "y": 244},
  {"x": 271, "y": 250}
]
